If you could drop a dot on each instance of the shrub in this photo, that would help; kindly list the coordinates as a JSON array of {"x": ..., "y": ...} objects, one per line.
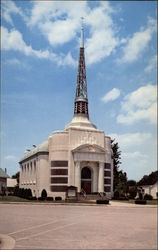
[
  {"x": 41, "y": 198},
  {"x": 132, "y": 192},
  {"x": 16, "y": 190},
  {"x": 19, "y": 192},
  {"x": 148, "y": 197},
  {"x": 49, "y": 198},
  {"x": 29, "y": 193},
  {"x": 58, "y": 198},
  {"x": 141, "y": 202},
  {"x": 10, "y": 194},
  {"x": 25, "y": 193},
  {"x": 116, "y": 195},
  {"x": 44, "y": 194},
  {"x": 22, "y": 192},
  {"x": 123, "y": 198},
  {"x": 32, "y": 198},
  {"x": 102, "y": 201}
]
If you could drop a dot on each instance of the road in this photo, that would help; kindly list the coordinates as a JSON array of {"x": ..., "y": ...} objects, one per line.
[{"x": 79, "y": 227}]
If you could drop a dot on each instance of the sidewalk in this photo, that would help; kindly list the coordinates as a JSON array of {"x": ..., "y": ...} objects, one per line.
[
  {"x": 90, "y": 203},
  {"x": 6, "y": 242},
  {"x": 126, "y": 204}
]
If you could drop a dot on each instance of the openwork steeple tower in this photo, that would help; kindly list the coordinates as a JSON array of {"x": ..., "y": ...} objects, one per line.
[{"x": 81, "y": 99}]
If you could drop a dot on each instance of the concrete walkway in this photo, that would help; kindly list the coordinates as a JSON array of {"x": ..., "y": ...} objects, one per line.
[{"x": 6, "y": 242}]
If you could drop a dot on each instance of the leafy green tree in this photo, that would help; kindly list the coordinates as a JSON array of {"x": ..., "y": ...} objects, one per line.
[
  {"x": 16, "y": 176},
  {"x": 120, "y": 177},
  {"x": 116, "y": 161},
  {"x": 149, "y": 179},
  {"x": 16, "y": 191},
  {"x": 132, "y": 188}
]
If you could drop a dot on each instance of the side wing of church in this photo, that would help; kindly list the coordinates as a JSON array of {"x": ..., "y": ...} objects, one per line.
[{"x": 79, "y": 156}]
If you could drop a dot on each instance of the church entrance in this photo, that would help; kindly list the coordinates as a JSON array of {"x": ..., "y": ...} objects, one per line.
[{"x": 86, "y": 180}]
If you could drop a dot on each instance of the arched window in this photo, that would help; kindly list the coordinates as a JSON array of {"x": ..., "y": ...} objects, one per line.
[{"x": 86, "y": 173}]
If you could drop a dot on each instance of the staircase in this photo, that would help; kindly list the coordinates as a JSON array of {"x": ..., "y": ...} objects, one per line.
[{"x": 88, "y": 197}]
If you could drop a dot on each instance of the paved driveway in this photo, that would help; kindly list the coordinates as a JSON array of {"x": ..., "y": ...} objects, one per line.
[{"x": 79, "y": 227}]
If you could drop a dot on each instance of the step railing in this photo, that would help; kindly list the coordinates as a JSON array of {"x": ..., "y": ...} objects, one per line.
[{"x": 93, "y": 196}]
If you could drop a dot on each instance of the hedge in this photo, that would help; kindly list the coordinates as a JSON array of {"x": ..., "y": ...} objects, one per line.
[{"x": 102, "y": 201}]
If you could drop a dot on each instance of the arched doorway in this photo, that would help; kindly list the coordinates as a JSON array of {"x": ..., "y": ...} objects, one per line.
[{"x": 86, "y": 179}]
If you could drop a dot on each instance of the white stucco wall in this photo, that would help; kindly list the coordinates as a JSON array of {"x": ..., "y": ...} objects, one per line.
[{"x": 151, "y": 189}]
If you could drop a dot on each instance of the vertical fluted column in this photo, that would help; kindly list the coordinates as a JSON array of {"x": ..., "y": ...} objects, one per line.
[
  {"x": 101, "y": 177},
  {"x": 78, "y": 176}
]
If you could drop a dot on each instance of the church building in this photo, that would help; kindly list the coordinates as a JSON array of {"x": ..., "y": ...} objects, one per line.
[{"x": 79, "y": 156}]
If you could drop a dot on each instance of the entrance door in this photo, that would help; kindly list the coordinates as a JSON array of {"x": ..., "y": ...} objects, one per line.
[{"x": 86, "y": 179}]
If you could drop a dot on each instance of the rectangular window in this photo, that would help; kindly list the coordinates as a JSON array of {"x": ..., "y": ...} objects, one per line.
[
  {"x": 58, "y": 188},
  {"x": 107, "y": 181},
  {"x": 107, "y": 173},
  {"x": 107, "y": 189},
  {"x": 59, "y": 164},
  {"x": 59, "y": 180},
  {"x": 107, "y": 166},
  {"x": 59, "y": 171}
]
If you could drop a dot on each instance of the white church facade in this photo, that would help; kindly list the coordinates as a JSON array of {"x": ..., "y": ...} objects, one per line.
[{"x": 79, "y": 156}]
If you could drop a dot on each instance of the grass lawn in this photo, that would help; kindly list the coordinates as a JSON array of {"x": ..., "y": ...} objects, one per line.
[
  {"x": 12, "y": 199},
  {"x": 18, "y": 199},
  {"x": 149, "y": 202}
]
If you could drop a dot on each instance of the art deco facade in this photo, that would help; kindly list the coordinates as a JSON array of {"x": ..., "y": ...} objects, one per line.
[{"x": 79, "y": 156}]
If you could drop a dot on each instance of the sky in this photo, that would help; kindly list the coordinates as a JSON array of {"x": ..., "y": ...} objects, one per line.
[{"x": 39, "y": 56}]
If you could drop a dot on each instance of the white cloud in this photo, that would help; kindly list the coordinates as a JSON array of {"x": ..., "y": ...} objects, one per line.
[
  {"x": 129, "y": 140},
  {"x": 13, "y": 61},
  {"x": 59, "y": 32},
  {"x": 152, "y": 65},
  {"x": 20, "y": 64},
  {"x": 100, "y": 45},
  {"x": 138, "y": 153},
  {"x": 138, "y": 42},
  {"x": 111, "y": 95},
  {"x": 13, "y": 40},
  {"x": 11, "y": 158},
  {"x": 134, "y": 155},
  {"x": 8, "y": 8},
  {"x": 60, "y": 22},
  {"x": 140, "y": 105},
  {"x": 103, "y": 40}
]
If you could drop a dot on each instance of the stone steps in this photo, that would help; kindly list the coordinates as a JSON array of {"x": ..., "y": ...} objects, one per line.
[{"x": 90, "y": 197}]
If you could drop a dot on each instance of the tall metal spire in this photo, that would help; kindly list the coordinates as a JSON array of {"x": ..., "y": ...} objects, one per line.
[{"x": 81, "y": 99}]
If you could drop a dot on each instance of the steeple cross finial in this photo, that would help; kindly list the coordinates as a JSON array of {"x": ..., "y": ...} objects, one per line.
[
  {"x": 82, "y": 18},
  {"x": 82, "y": 33}
]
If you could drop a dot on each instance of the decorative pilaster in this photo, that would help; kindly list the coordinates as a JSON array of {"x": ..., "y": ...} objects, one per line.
[
  {"x": 78, "y": 176},
  {"x": 101, "y": 178},
  {"x": 95, "y": 180}
]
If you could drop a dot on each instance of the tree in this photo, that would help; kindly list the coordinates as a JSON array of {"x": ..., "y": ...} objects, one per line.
[
  {"x": 120, "y": 177},
  {"x": 149, "y": 179},
  {"x": 132, "y": 188},
  {"x": 44, "y": 194},
  {"x": 16, "y": 176},
  {"x": 116, "y": 161}
]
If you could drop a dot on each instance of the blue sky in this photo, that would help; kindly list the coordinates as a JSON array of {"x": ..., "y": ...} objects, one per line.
[{"x": 39, "y": 56}]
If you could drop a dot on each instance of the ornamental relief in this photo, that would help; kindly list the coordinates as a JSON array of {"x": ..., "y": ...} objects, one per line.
[
  {"x": 85, "y": 138},
  {"x": 89, "y": 157}
]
